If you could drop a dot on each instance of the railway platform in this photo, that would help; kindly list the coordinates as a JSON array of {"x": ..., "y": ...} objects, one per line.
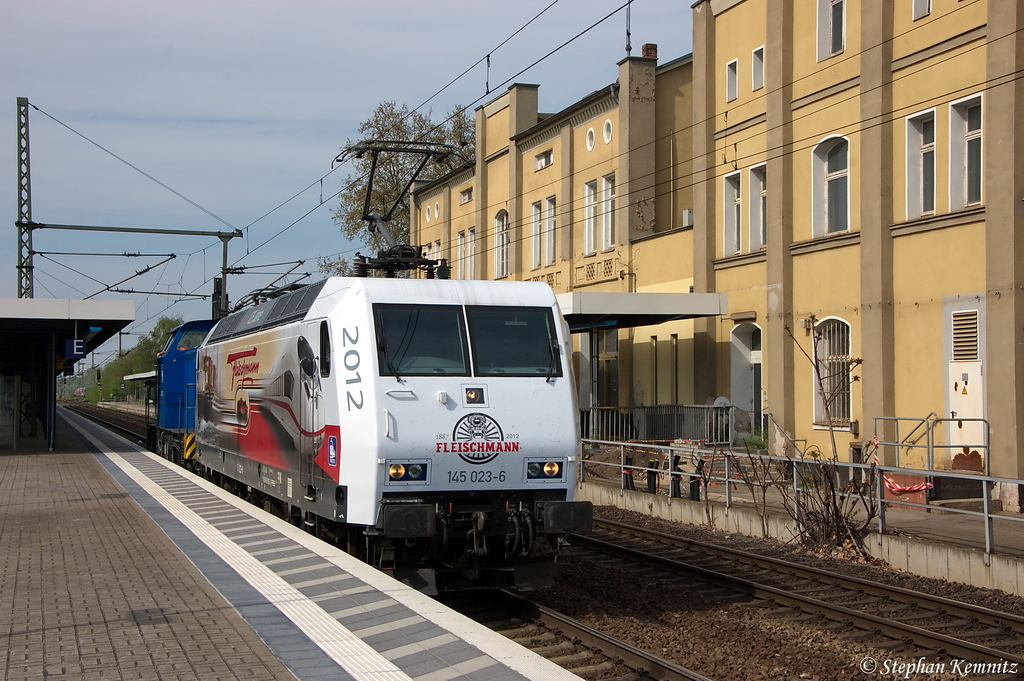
[{"x": 120, "y": 565}]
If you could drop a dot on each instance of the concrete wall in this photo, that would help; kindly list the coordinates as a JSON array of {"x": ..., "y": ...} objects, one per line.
[{"x": 925, "y": 558}]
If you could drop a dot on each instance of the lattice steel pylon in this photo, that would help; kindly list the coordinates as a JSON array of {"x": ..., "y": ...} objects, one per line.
[{"x": 24, "y": 222}]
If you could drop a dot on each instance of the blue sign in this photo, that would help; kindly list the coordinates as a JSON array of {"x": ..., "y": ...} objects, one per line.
[
  {"x": 74, "y": 348},
  {"x": 332, "y": 450}
]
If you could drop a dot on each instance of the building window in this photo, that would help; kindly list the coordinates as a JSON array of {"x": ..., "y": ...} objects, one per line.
[
  {"x": 965, "y": 153},
  {"x": 922, "y": 8},
  {"x": 758, "y": 207},
  {"x": 831, "y": 28},
  {"x": 535, "y": 235},
  {"x": 471, "y": 253},
  {"x": 608, "y": 131},
  {"x": 731, "y": 85},
  {"x": 544, "y": 159},
  {"x": 831, "y": 187},
  {"x": 733, "y": 214},
  {"x": 590, "y": 218},
  {"x": 590, "y": 139},
  {"x": 549, "y": 230},
  {"x": 834, "y": 365},
  {"x": 501, "y": 241},
  {"x": 608, "y": 212},
  {"x": 920, "y": 165},
  {"x": 465, "y": 196},
  {"x": 757, "y": 69},
  {"x": 460, "y": 255}
]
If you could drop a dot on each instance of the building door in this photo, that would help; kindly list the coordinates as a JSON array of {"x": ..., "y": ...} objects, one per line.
[{"x": 745, "y": 375}]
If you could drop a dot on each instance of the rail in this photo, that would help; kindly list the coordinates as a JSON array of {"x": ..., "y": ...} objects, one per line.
[{"x": 691, "y": 468}]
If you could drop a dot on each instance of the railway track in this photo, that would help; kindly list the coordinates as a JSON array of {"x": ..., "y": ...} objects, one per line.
[
  {"x": 850, "y": 606},
  {"x": 125, "y": 423},
  {"x": 574, "y": 646}
]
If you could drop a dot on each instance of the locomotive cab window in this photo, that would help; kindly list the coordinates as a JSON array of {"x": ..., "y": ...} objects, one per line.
[
  {"x": 513, "y": 341},
  {"x": 191, "y": 339},
  {"x": 420, "y": 340},
  {"x": 325, "y": 350}
]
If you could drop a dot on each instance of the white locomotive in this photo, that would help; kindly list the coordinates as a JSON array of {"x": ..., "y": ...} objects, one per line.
[{"x": 428, "y": 426}]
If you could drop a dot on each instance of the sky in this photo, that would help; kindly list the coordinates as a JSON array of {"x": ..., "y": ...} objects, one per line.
[{"x": 215, "y": 115}]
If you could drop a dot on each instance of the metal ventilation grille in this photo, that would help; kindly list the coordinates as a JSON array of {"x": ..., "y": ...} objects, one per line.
[{"x": 965, "y": 336}]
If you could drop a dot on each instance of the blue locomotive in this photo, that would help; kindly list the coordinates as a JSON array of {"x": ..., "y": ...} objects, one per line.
[{"x": 176, "y": 392}]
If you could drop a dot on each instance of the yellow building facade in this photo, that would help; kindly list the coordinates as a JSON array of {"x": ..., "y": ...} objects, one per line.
[{"x": 845, "y": 171}]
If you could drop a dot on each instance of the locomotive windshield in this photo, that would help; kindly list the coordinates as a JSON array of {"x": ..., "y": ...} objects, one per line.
[
  {"x": 420, "y": 340},
  {"x": 513, "y": 341},
  {"x": 430, "y": 340}
]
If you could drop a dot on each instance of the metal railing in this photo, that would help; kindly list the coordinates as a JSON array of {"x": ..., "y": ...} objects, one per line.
[
  {"x": 928, "y": 429},
  {"x": 688, "y": 472},
  {"x": 709, "y": 424}
]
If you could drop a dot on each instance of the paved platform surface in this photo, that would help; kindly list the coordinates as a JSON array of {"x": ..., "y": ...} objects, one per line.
[{"x": 119, "y": 565}]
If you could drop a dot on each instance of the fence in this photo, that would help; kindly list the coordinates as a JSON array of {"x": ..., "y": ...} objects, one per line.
[
  {"x": 688, "y": 471},
  {"x": 710, "y": 424},
  {"x": 908, "y": 433}
]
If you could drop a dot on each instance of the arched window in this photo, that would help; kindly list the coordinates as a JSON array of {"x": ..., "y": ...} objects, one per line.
[
  {"x": 831, "y": 187},
  {"x": 832, "y": 382},
  {"x": 501, "y": 241}
]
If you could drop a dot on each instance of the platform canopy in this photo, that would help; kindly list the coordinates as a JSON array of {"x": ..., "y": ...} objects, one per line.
[
  {"x": 26, "y": 325},
  {"x": 585, "y": 310}
]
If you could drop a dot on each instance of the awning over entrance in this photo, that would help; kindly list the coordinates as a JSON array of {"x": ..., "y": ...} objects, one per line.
[{"x": 585, "y": 310}]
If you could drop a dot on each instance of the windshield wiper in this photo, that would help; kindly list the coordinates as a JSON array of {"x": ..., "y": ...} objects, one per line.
[
  {"x": 383, "y": 347},
  {"x": 553, "y": 351}
]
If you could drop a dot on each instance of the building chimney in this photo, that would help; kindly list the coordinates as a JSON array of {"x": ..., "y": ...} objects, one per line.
[{"x": 650, "y": 51}]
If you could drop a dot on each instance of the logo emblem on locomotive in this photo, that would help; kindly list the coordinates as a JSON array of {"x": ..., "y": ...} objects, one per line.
[{"x": 477, "y": 439}]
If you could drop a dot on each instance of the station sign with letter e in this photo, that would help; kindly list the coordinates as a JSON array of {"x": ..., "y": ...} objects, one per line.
[{"x": 74, "y": 348}]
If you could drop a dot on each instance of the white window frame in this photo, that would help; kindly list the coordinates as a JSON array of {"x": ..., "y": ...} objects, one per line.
[
  {"x": 920, "y": 155},
  {"x": 758, "y": 185},
  {"x": 590, "y": 218},
  {"x": 820, "y": 179},
  {"x": 835, "y": 364},
  {"x": 921, "y": 9},
  {"x": 471, "y": 253},
  {"x": 460, "y": 255},
  {"x": 501, "y": 242},
  {"x": 827, "y": 46},
  {"x": 757, "y": 69},
  {"x": 549, "y": 230},
  {"x": 732, "y": 190},
  {"x": 466, "y": 195},
  {"x": 608, "y": 212},
  {"x": 535, "y": 235},
  {"x": 960, "y": 139},
  {"x": 544, "y": 159},
  {"x": 732, "y": 80}
]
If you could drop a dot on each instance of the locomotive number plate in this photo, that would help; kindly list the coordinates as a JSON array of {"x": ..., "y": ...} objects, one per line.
[{"x": 476, "y": 477}]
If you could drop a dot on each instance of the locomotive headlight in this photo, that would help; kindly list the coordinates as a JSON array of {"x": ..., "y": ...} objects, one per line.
[
  {"x": 474, "y": 395},
  {"x": 407, "y": 472},
  {"x": 543, "y": 470}
]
